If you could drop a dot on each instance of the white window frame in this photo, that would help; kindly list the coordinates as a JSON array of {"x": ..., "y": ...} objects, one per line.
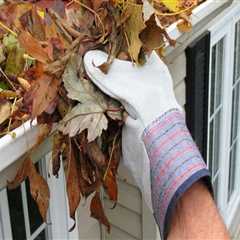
[
  {"x": 58, "y": 220},
  {"x": 225, "y": 28}
]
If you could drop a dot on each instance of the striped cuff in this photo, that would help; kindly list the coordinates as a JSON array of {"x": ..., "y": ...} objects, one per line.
[{"x": 175, "y": 164}]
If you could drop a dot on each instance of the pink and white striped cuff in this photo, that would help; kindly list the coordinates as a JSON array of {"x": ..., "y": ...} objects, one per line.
[{"x": 175, "y": 164}]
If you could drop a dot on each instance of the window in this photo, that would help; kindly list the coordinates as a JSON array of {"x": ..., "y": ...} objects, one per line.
[
  {"x": 234, "y": 140},
  {"x": 19, "y": 215},
  {"x": 22, "y": 213},
  {"x": 214, "y": 92}
]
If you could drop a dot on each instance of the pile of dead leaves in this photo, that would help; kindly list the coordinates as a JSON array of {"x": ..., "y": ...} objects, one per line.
[{"x": 42, "y": 44}]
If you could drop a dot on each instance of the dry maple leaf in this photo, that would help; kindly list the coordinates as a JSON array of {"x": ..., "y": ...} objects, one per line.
[
  {"x": 88, "y": 116},
  {"x": 80, "y": 89}
]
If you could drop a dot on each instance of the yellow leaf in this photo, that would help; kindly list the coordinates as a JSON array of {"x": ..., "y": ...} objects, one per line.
[
  {"x": 172, "y": 5},
  {"x": 134, "y": 25}
]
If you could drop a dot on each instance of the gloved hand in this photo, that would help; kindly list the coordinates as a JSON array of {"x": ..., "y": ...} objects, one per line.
[
  {"x": 157, "y": 146},
  {"x": 146, "y": 92}
]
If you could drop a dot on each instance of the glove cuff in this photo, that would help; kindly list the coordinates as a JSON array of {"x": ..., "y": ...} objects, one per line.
[{"x": 175, "y": 164}]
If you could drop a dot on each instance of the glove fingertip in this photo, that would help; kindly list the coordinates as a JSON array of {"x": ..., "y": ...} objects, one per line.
[{"x": 95, "y": 57}]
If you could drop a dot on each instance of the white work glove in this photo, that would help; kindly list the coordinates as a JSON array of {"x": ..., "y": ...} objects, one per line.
[{"x": 146, "y": 92}]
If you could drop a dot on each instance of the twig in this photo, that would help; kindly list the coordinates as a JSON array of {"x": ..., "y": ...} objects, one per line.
[
  {"x": 10, "y": 120},
  {"x": 111, "y": 154},
  {"x": 9, "y": 81},
  {"x": 3, "y": 26}
]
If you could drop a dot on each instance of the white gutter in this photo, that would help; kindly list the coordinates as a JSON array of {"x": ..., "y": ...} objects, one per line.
[
  {"x": 12, "y": 149},
  {"x": 198, "y": 14}
]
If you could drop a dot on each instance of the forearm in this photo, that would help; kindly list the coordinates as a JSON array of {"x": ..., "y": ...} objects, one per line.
[
  {"x": 196, "y": 217},
  {"x": 175, "y": 164}
]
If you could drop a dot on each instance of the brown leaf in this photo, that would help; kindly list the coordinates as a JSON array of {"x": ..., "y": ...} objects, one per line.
[
  {"x": 98, "y": 3},
  {"x": 73, "y": 186},
  {"x": 95, "y": 155},
  {"x": 21, "y": 175},
  {"x": 39, "y": 190},
  {"x": 43, "y": 92},
  {"x": 184, "y": 26},
  {"x": 152, "y": 36},
  {"x": 110, "y": 181},
  {"x": 33, "y": 47},
  {"x": 43, "y": 132},
  {"x": 97, "y": 211},
  {"x": 110, "y": 184},
  {"x": 57, "y": 149},
  {"x": 38, "y": 27},
  {"x": 38, "y": 186}
]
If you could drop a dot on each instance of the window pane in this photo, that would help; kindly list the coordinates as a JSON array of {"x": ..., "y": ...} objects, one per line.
[
  {"x": 213, "y": 77},
  {"x": 235, "y": 112},
  {"x": 237, "y": 53},
  {"x": 16, "y": 213},
  {"x": 210, "y": 151},
  {"x": 232, "y": 170},
  {"x": 41, "y": 236},
  {"x": 219, "y": 73},
  {"x": 217, "y": 123}
]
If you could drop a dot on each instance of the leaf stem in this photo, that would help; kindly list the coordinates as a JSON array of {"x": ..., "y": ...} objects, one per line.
[
  {"x": 111, "y": 154},
  {"x": 3, "y": 26}
]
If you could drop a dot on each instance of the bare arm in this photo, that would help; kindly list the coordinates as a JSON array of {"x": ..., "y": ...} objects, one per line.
[{"x": 196, "y": 217}]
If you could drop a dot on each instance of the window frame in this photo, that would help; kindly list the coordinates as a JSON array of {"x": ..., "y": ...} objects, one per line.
[{"x": 225, "y": 28}]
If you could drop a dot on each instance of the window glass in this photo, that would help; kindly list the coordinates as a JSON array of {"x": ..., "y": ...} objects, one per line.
[
  {"x": 232, "y": 171},
  {"x": 237, "y": 53},
  {"x": 213, "y": 78},
  {"x": 24, "y": 214},
  {"x": 41, "y": 236},
  {"x": 215, "y": 109},
  {"x": 217, "y": 123},
  {"x": 210, "y": 149},
  {"x": 219, "y": 74},
  {"x": 16, "y": 213}
]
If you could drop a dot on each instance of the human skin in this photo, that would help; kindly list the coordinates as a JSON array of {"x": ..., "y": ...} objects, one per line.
[{"x": 196, "y": 217}]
